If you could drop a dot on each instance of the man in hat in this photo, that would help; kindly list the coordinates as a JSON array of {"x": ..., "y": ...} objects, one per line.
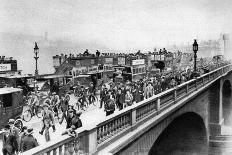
[
  {"x": 48, "y": 118},
  {"x": 82, "y": 97},
  {"x": 73, "y": 119},
  {"x": 10, "y": 144},
  {"x": 14, "y": 130},
  {"x": 149, "y": 91},
  {"x": 64, "y": 108},
  {"x": 103, "y": 93},
  {"x": 29, "y": 142},
  {"x": 34, "y": 102},
  {"x": 91, "y": 92},
  {"x": 109, "y": 105},
  {"x": 120, "y": 99}
]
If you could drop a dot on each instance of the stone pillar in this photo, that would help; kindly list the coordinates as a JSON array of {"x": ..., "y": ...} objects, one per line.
[
  {"x": 215, "y": 107},
  {"x": 89, "y": 141}
]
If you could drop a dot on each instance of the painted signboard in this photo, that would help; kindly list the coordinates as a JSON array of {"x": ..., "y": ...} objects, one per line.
[
  {"x": 138, "y": 62},
  {"x": 5, "y": 67}
]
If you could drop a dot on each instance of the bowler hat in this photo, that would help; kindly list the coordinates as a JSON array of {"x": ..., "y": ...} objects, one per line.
[{"x": 11, "y": 121}]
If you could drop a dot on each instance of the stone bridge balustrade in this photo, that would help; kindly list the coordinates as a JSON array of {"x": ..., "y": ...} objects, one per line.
[{"x": 92, "y": 139}]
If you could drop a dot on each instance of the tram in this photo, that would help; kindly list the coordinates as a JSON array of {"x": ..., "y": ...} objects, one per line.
[{"x": 11, "y": 106}]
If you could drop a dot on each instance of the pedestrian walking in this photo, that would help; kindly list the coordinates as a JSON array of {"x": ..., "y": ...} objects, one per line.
[
  {"x": 128, "y": 99},
  {"x": 10, "y": 144},
  {"x": 120, "y": 99},
  {"x": 48, "y": 118},
  {"x": 29, "y": 141},
  {"x": 64, "y": 108},
  {"x": 110, "y": 104},
  {"x": 103, "y": 93},
  {"x": 14, "y": 130}
]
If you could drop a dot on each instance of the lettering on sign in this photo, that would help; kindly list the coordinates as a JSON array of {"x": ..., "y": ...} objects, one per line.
[
  {"x": 138, "y": 62},
  {"x": 109, "y": 60},
  {"x": 5, "y": 67}
]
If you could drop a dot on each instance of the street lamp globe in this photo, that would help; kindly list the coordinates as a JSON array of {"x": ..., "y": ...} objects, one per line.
[
  {"x": 36, "y": 48},
  {"x": 195, "y": 46}
]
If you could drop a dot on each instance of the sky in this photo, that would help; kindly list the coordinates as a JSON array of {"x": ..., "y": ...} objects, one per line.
[
  {"x": 118, "y": 23},
  {"x": 112, "y": 24}
]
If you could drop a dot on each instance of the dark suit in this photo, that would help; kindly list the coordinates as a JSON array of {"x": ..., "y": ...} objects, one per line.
[
  {"x": 28, "y": 142},
  {"x": 10, "y": 145}
]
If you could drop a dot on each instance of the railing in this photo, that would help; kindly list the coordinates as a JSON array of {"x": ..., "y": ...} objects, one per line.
[{"x": 89, "y": 140}]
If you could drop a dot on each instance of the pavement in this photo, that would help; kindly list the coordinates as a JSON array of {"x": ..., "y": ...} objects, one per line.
[{"x": 91, "y": 116}]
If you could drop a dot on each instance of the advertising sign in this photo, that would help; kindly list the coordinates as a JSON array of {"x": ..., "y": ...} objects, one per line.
[
  {"x": 109, "y": 60},
  {"x": 157, "y": 57},
  {"x": 152, "y": 57},
  {"x": 138, "y": 62},
  {"x": 121, "y": 60},
  {"x": 162, "y": 57},
  {"x": 5, "y": 67}
]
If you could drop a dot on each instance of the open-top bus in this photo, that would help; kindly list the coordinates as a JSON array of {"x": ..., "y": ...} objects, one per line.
[{"x": 131, "y": 73}]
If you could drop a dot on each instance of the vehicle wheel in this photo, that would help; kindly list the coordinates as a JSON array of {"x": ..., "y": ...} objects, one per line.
[
  {"x": 27, "y": 115},
  {"x": 39, "y": 113},
  {"x": 19, "y": 124}
]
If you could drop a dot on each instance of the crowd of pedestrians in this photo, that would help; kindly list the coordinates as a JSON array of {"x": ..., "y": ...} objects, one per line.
[
  {"x": 121, "y": 95},
  {"x": 112, "y": 96}
]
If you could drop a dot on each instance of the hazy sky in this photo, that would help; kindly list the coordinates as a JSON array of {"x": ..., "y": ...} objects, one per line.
[{"x": 119, "y": 23}]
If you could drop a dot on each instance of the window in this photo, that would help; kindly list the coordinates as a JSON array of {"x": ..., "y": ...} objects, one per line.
[
  {"x": 134, "y": 71},
  {"x": 92, "y": 61},
  {"x": 137, "y": 71},
  {"x": 7, "y": 100},
  {"x": 140, "y": 70},
  {"x": 61, "y": 83},
  {"x": 99, "y": 75}
]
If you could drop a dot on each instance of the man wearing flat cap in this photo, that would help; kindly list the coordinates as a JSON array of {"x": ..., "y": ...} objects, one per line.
[
  {"x": 14, "y": 130},
  {"x": 10, "y": 145},
  {"x": 29, "y": 142},
  {"x": 73, "y": 119}
]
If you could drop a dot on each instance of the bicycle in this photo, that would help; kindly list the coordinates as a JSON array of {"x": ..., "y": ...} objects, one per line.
[
  {"x": 81, "y": 106},
  {"x": 28, "y": 114}
]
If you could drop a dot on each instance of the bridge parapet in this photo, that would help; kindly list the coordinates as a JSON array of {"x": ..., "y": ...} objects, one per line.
[{"x": 92, "y": 139}]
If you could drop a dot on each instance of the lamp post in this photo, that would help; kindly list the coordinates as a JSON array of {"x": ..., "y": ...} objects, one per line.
[
  {"x": 36, "y": 51},
  {"x": 195, "y": 49}
]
